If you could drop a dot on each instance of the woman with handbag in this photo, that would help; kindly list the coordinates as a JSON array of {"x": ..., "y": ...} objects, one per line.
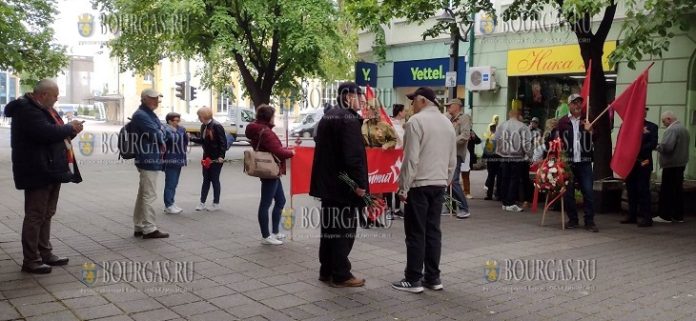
[
  {"x": 262, "y": 137},
  {"x": 469, "y": 162}
]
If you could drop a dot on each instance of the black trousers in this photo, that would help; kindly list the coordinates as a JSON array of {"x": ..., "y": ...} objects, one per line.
[
  {"x": 338, "y": 227},
  {"x": 39, "y": 207},
  {"x": 638, "y": 188},
  {"x": 672, "y": 194},
  {"x": 423, "y": 235},
  {"x": 512, "y": 174},
  {"x": 494, "y": 177}
]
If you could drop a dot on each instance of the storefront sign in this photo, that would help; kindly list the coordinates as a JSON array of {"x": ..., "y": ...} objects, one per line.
[
  {"x": 365, "y": 74},
  {"x": 552, "y": 60},
  {"x": 429, "y": 72}
]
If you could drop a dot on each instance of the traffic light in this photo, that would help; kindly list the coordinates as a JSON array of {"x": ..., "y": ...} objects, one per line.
[
  {"x": 192, "y": 96},
  {"x": 181, "y": 90}
]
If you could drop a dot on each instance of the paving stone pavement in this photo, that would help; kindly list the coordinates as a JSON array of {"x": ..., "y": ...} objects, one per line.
[{"x": 631, "y": 273}]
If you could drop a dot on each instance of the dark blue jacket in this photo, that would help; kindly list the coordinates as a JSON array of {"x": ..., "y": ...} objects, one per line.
[
  {"x": 39, "y": 153},
  {"x": 151, "y": 138},
  {"x": 648, "y": 144},
  {"x": 177, "y": 146}
]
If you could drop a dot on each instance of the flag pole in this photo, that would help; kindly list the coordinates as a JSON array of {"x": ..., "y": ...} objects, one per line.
[
  {"x": 600, "y": 115},
  {"x": 587, "y": 108}
]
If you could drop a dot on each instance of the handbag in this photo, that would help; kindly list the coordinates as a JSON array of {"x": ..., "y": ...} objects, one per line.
[{"x": 261, "y": 164}]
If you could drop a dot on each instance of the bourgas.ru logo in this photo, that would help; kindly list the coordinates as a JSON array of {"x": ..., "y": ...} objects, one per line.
[
  {"x": 540, "y": 270},
  {"x": 137, "y": 272}
]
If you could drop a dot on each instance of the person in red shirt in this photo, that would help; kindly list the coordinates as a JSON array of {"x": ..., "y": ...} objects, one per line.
[{"x": 261, "y": 134}]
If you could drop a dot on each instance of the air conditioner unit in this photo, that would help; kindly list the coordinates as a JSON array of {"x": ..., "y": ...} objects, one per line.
[{"x": 481, "y": 78}]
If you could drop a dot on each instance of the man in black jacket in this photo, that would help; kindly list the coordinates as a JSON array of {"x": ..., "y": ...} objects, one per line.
[
  {"x": 339, "y": 149},
  {"x": 42, "y": 159},
  {"x": 638, "y": 181},
  {"x": 576, "y": 133}
]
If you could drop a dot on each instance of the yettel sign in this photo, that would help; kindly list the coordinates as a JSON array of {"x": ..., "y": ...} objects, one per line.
[{"x": 429, "y": 72}]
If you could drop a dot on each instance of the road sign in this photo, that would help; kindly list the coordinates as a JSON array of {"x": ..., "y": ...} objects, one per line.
[{"x": 451, "y": 79}]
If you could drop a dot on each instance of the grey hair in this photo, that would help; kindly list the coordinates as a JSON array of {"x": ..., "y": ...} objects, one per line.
[
  {"x": 669, "y": 114},
  {"x": 45, "y": 85}
]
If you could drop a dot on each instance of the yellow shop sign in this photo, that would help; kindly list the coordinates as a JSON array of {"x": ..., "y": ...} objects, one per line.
[{"x": 552, "y": 60}]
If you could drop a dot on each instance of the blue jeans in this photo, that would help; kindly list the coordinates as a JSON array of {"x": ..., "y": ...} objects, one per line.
[
  {"x": 211, "y": 176},
  {"x": 271, "y": 190},
  {"x": 457, "y": 192},
  {"x": 582, "y": 174},
  {"x": 171, "y": 180}
]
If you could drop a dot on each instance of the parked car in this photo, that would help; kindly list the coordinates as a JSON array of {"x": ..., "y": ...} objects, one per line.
[{"x": 308, "y": 124}]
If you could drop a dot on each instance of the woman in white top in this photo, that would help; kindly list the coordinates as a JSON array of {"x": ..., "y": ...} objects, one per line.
[{"x": 398, "y": 119}]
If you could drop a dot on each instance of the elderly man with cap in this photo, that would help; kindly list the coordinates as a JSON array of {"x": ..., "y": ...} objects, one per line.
[
  {"x": 430, "y": 158},
  {"x": 576, "y": 134},
  {"x": 149, "y": 160},
  {"x": 462, "y": 128},
  {"x": 339, "y": 149}
]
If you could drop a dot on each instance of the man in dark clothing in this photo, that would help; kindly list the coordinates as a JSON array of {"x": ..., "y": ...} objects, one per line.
[
  {"x": 576, "y": 135},
  {"x": 638, "y": 181},
  {"x": 339, "y": 149},
  {"x": 42, "y": 159}
]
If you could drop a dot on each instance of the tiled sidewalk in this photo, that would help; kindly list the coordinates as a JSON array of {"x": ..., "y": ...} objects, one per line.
[{"x": 641, "y": 274}]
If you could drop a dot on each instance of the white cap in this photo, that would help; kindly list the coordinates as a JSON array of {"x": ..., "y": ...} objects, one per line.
[{"x": 150, "y": 93}]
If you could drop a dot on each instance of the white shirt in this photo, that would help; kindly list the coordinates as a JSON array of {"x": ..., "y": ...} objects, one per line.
[
  {"x": 577, "y": 147},
  {"x": 399, "y": 129}
]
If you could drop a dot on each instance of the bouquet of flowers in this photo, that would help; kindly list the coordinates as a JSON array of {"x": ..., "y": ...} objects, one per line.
[
  {"x": 376, "y": 206},
  {"x": 552, "y": 175}
]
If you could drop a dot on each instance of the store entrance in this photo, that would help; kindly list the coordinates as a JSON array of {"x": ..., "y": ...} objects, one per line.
[{"x": 545, "y": 96}]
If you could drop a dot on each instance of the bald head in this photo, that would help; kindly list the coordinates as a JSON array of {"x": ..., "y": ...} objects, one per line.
[
  {"x": 46, "y": 93},
  {"x": 204, "y": 114}
]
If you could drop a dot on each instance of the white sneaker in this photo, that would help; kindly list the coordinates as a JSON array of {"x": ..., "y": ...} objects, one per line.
[
  {"x": 200, "y": 207},
  {"x": 468, "y": 196},
  {"x": 463, "y": 215},
  {"x": 214, "y": 207},
  {"x": 660, "y": 220},
  {"x": 179, "y": 209},
  {"x": 271, "y": 241},
  {"x": 172, "y": 210},
  {"x": 513, "y": 208},
  {"x": 279, "y": 236}
]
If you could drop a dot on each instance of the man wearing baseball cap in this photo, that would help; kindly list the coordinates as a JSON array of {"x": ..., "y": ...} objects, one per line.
[
  {"x": 576, "y": 133},
  {"x": 430, "y": 156},
  {"x": 462, "y": 128},
  {"x": 149, "y": 161}
]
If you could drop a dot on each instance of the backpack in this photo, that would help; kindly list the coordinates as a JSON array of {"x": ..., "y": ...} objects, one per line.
[{"x": 127, "y": 141}]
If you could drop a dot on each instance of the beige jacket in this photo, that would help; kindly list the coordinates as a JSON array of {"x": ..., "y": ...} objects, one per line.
[
  {"x": 462, "y": 128},
  {"x": 429, "y": 151}
]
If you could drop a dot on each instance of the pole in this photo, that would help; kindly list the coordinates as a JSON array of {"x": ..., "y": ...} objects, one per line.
[
  {"x": 470, "y": 97},
  {"x": 187, "y": 93},
  {"x": 454, "y": 55}
]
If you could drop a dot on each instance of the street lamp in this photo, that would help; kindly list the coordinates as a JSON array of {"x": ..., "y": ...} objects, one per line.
[{"x": 459, "y": 31}]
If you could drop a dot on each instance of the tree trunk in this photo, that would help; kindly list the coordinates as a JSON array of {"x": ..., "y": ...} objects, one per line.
[{"x": 598, "y": 101}]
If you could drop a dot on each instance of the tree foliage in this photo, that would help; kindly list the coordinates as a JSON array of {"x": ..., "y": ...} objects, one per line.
[
  {"x": 25, "y": 39},
  {"x": 271, "y": 44}
]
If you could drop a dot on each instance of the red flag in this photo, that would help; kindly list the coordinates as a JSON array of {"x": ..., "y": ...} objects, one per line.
[
  {"x": 630, "y": 106},
  {"x": 585, "y": 91},
  {"x": 369, "y": 93}
]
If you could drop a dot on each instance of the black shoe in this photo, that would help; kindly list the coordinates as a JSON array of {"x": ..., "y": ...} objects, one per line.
[
  {"x": 407, "y": 286},
  {"x": 56, "y": 261},
  {"x": 156, "y": 235},
  {"x": 435, "y": 285},
  {"x": 36, "y": 268},
  {"x": 325, "y": 279},
  {"x": 629, "y": 221},
  {"x": 571, "y": 225},
  {"x": 592, "y": 227},
  {"x": 138, "y": 234},
  {"x": 645, "y": 224},
  {"x": 488, "y": 198}
]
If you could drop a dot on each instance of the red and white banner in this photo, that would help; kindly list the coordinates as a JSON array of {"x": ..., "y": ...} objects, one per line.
[{"x": 383, "y": 168}]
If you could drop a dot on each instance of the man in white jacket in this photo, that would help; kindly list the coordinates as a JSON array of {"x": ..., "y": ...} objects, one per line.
[{"x": 430, "y": 156}]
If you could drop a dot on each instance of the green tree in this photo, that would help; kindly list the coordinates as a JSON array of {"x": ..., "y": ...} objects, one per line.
[
  {"x": 25, "y": 39},
  {"x": 646, "y": 31},
  {"x": 271, "y": 44}
]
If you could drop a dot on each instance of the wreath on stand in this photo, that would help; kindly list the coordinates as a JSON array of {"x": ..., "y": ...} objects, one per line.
[{"x": 552, "y": 175}]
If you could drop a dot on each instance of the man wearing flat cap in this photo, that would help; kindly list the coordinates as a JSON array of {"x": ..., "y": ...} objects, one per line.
[
  {"x": 149, "y": 160},
  {"x": 462, "y": 128},
  {"x": 339, "y": 149},
  {"x": 430, "y": 156},
  {"x": 576, "y": 134}
]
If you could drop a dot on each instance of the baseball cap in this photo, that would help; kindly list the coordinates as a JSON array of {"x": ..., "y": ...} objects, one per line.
[
  {"x": 150, "y": 93},
  {"x": 454, "y": 101},
  {"x": 426, "y": 92},
  {"x": 574, "y": 97}
]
